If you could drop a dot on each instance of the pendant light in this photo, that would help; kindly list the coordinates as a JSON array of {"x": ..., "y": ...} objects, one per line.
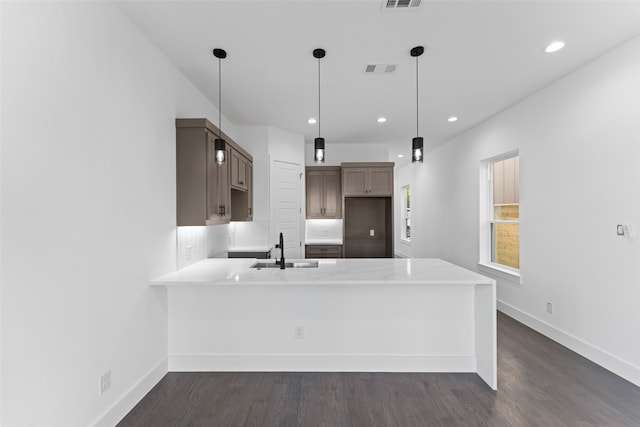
[
  {"x": 219, "y": 144},
  {"x": 417, "y": 146},
  {"x": 318, "y": 145}
]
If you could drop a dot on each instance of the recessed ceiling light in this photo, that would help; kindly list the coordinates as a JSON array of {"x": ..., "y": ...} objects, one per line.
[
  {"x": 312, "y": 121},
  {"x": 554, "y": 47},
  {"x": 382, "y": 119},
  {"x": 452, "y": 119},
  {"x": 400, "y": 155}
]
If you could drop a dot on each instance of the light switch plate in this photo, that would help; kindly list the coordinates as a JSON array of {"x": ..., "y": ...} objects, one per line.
[{"x": 623, "y": 230}]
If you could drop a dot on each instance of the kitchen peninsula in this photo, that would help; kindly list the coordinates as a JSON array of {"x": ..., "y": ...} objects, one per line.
[{"x": 377, "y": 315}]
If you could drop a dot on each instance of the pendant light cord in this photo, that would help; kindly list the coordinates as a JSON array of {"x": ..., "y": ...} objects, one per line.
[
  {"x": 417, "y": 115},
  {"x": 319, "y": 121},
  {"x": 220, "y": 96}
]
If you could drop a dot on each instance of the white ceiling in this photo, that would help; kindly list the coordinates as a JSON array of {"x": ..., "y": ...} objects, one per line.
[{"x": 481, "y": 57}]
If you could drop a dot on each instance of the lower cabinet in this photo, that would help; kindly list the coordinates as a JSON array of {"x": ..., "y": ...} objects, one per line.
[
  {"x": 323, "y": 251},
  {"x": 259, "y": 254}
]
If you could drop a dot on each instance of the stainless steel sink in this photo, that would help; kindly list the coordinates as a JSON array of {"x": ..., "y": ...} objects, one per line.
[{"x": 293, "y": 264}]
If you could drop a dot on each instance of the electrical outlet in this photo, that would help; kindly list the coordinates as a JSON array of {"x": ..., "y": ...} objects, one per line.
[
  {"x": 372, "y": 233},
  {"x": 188, "y": 252},
  {"x": 105, "y": 382},
  {"x": 549, "y": 308},
  {"x": 298, "y": 332}
]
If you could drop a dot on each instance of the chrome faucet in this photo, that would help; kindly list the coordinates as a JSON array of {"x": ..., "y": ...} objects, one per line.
[{"x": 281, "y": 247}]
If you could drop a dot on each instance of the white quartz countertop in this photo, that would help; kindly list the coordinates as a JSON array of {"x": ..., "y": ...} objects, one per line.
[{"x": 237, "y": 271}]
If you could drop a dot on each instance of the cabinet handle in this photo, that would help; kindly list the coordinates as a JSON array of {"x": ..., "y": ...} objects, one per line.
[
  {"x": 249, "y": 211},
  {"x": 241, "y": 182}
]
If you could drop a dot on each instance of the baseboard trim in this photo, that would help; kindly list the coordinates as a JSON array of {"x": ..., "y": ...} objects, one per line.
[
  {"x": 320, "y": 363},
  {"x": 620, "y": 367},
  {"x": 132, "y": 396}
]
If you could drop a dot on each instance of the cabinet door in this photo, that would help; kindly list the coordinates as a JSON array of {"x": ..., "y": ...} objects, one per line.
[
  {"x": 332, "y": 194},
  {"x": 249, "y": 191},
  {"x": 217, "y": 187},
  {"x": 380, "y": 182},
  {"x": 354, "y": 182},
  {"x": 314, "y": 194},
  {"x": 191, "y": 177},
  {"x": 238, "y": 170},
  {"x": 224, "y": 188},
  {"x": 242, "y": 173}
]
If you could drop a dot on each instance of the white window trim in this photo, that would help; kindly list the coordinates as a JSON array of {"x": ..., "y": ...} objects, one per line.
[
  {"x": 499, "y": 271},
  {"x": 403, "y": 204},
  {"x": 486, "y": 219}
]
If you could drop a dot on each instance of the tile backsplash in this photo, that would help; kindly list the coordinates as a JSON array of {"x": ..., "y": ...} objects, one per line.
[
  {"x": 197, "y": 243},
  {"x": 251, "y": 234},
  {"x": 323, "y": 229}
]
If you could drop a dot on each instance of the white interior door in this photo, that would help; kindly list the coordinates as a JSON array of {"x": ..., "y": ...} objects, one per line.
[{"x": 286, "y": 206}]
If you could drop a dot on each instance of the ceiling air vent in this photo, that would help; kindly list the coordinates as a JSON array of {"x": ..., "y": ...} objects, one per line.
[
  {"x": 400, "y": 4},
  {"x": 380, "y": 68}
]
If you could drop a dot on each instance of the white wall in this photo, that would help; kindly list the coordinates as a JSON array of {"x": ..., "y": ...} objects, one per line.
[
  {"x": 266, "y": 144},
  {"x": 579, "y": 147},
  {"x": 88, "y": 210},
  {"x": 285, "y": 146}
]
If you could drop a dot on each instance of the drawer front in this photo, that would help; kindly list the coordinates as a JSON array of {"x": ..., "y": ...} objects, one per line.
[{"x": 323, "y": 251}]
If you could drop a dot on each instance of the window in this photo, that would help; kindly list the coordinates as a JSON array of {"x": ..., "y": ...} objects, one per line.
[
  {"x": 405, "y": 214},
  {"x": 503, "y": 213}
]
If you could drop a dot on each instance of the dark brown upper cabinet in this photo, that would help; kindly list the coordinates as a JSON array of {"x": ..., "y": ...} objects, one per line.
[
  {"x": 323, "y": 193},
  {"x": 203, "y": 188},
  {"x": 367, "y": 179},
  {"x": 240, "y": 174}
]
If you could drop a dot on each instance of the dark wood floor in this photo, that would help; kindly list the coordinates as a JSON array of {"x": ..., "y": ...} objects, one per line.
[{"x": 540, "y": 384}]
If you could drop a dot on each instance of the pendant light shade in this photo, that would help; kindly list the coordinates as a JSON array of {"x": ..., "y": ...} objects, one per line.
[
  {"x": 318, "y": 145},
  {"x": 220, "y": 145},
  {"x": 417, "y": 145},
  {"x": 221, "y": 150}
]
